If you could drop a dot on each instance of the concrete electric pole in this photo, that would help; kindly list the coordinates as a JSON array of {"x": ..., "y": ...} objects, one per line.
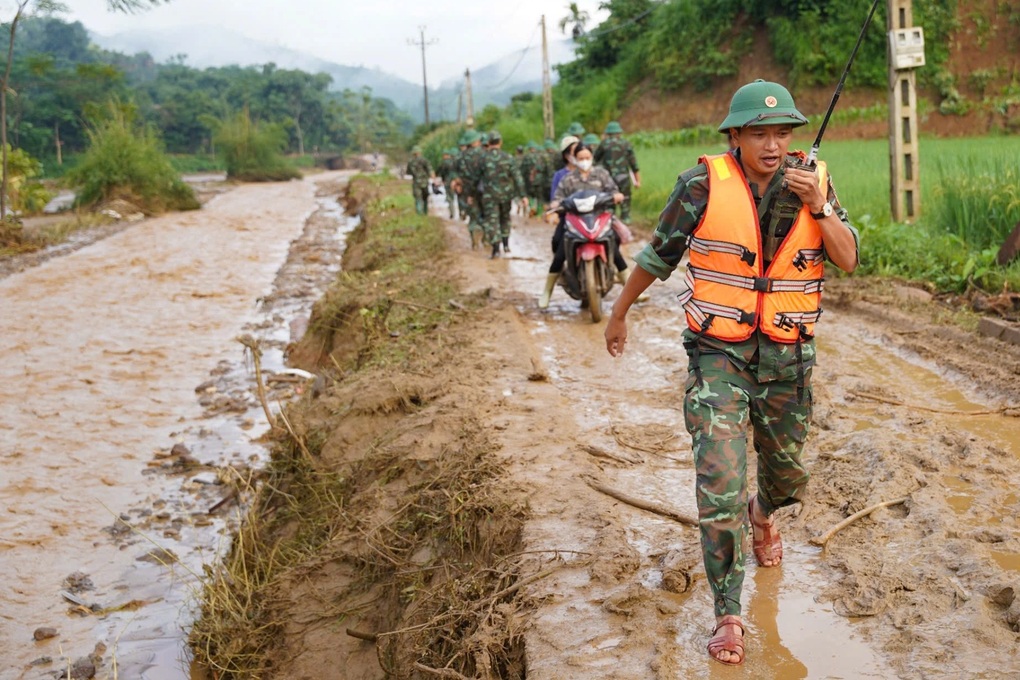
[
  {"x": 547, "y": 103},
  {"x": 470, "y": 120},
  {"x": 906, "y": 53},
  {"x": 424, "y": 79}
]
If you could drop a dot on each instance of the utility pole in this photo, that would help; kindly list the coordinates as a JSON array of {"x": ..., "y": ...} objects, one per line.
[
  {"x": 424, "y": 79},
  {"x": 547, "y": 103},
  {"x": 906, "y": 53},
  {"x": 470, "y": 120}
]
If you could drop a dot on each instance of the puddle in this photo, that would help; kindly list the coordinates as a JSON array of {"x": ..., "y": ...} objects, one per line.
[{"x": 111, "y": 343}]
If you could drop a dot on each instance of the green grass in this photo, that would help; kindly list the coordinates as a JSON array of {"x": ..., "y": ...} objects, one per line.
[{"x": 970, "y": 200}]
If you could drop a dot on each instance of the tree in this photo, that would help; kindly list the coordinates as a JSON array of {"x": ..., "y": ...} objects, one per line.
[
  {"x": 45, "y": 6},
  {"x": 577, "y": 17}
]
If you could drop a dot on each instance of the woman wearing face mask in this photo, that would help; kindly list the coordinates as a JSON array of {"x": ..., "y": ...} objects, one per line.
[{"x": 578, "y": 175}]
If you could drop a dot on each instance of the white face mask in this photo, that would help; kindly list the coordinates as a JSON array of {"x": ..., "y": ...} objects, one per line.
[{"x": 585, "y": 164}]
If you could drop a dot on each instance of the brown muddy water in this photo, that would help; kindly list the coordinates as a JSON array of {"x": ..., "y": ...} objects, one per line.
[{"x": 129, "y": 414}]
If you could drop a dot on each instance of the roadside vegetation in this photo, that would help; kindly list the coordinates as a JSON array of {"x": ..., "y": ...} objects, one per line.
[
  {"x": 125, "y": 162},
  {"x": 252, "y": 152},
  {"x": 418, "y": 534}
]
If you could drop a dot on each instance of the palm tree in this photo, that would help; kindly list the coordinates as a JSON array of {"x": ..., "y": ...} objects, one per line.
[{"x": 577, "y": 17}]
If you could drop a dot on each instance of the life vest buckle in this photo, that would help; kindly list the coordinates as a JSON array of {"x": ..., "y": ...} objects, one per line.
[
  {"x": 785, "y": 322},
  {"x": 747, "y": 318},
  {"x": 762, "y": 284},
  {"x": 748, "y": 256}
]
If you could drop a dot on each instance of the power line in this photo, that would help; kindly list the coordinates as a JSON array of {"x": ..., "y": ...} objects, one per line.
[{"x": 524, "y": 53}]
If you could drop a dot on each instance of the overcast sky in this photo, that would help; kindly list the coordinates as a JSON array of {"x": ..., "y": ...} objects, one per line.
[{"x": 372, "y": 33}]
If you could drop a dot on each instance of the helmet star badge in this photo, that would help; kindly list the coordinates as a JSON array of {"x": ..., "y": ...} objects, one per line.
[{"x": 771, "y": 102}]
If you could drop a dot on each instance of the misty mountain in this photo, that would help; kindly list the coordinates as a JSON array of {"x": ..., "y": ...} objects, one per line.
[{"x": 203, "y": 46}]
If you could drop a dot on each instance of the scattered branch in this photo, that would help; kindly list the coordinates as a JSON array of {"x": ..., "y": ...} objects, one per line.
[
  {"x": 1012, "y": 411},
  {"x": 642, "y": 504},
  {"x": 824, "y": 538}
]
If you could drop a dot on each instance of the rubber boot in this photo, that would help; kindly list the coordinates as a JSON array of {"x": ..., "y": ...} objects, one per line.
[
  {"x": 506, "y": 245},
  {"x": 622, "y": 275},
  {"x": 495, "y": 251},
  {"x": 474, "y": 240},
  {"x": 550, "y": 283}
]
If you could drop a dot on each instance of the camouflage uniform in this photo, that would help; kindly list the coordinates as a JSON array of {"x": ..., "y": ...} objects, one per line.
[
  {"x": 420, "y": 171},
  {"x": 500, "y": 182},
  {"x": 446, "y": 171},
  {"x": 756, "y": 385},
  {"x": 467, "y": 169},
  {"x": 616, "y": 155}
]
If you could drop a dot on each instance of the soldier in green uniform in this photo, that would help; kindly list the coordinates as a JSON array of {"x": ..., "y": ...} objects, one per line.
[
  {"x": 500, "y": 183},
  {"x": 553, "y": 162},
  {"x": 466, "y": 185},
  {"x": 422, "y": 175},
  {"x": 446, "y": 171},
  {"x": 751, "y": 347},
  {"x": 616, "y": 155}
]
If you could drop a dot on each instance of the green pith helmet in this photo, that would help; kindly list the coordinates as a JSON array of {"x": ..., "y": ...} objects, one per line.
[
  {"x": 591, "y": 139},
  {"x": 762, "y": 103},
  {"x": 484, "y": 136},
  {"x": 415, "y": 149},
  {"x": 464, "y": 139},
  {"x": 575, "y": 129},
  {"x": 614, "y": 128},
  {"x": 532, "y": 146},
  {"x": 549, "y": 145},
  {"x": 472, "y": 136}
]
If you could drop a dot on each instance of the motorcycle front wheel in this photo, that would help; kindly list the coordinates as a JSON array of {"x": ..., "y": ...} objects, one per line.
[{"x": 593, "y": 290}]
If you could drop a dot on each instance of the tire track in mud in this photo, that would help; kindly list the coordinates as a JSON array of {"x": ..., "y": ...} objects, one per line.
[{"x": 884, "y": 599}]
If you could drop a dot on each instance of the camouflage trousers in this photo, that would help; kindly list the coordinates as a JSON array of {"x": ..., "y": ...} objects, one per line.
[
  {"x": 496, "y": 220},
  {"x": 473, "y": 209},
  {"x": 624, "y": 206},
  {"x": 421, "y": 198},
  {"x": 720, "y": 412},
  {"x": 451, "y": 198}
]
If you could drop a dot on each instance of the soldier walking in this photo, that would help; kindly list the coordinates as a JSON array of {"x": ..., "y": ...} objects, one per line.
[
  {"x": 500, "y": 182},
  {"x": 616, "y": 155},
  {"x": 422, "y": 175},
  {"x": 752, "y": 298},
  {"x": 446, "y": 171},
  {"x": 466, "y": 184}
]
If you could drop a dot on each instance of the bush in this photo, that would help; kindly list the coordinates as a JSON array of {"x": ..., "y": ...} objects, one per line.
[
  {"x": 253, "y": 151},
  {"x": 25, "y": 195},
  {"x": 126, "y": 161}
]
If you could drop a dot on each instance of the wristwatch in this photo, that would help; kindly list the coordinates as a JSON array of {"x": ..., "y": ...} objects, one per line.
[{"x": 826, "y": 211}]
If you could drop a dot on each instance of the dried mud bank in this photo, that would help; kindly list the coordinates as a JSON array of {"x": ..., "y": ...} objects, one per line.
[{"x": 381, "y": 540}]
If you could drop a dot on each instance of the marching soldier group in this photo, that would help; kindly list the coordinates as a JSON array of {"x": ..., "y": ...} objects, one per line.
[{"x": 482, "y": 180}]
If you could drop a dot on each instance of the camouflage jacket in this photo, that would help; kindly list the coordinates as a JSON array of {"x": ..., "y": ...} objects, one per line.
[
  {"x": 446, "y": 169},
  {"x": 468, "y": 169},
  {"x": 598, "y": 180},
  {"x": 617, "y": 156},
  {"x": 420, "y": 171},
  {"x": 500, "y": 177}
]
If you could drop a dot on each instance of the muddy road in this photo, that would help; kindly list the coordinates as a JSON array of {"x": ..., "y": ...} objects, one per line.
[
  {"x": 100, "y": 387},
  {"x": 129, "y": 418},
  {"x": 904, "y": 408}
]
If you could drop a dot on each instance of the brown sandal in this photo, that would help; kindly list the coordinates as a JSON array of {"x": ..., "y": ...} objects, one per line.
[
  {"x": 727, "y": 642},
  {"x": 771, "y": 543}
]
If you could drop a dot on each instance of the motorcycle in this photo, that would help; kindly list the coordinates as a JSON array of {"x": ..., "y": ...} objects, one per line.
[{"x": 589, "y": 240}]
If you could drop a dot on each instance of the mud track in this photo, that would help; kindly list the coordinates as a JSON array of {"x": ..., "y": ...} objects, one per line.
[{"x": 921, "y": 589}]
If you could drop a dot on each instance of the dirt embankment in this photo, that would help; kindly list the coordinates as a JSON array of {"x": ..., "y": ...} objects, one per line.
[
  {"x": 984, "y": 60},
  {"x": 437, "y": 505}
]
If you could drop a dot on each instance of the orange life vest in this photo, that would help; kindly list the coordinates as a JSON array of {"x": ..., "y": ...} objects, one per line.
[{"x": 728, "y": 294}]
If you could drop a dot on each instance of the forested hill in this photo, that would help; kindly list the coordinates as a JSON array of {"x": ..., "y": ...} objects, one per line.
[
  {"x": 59, "y": 80},
  {"x": 675, "y": 64}
]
